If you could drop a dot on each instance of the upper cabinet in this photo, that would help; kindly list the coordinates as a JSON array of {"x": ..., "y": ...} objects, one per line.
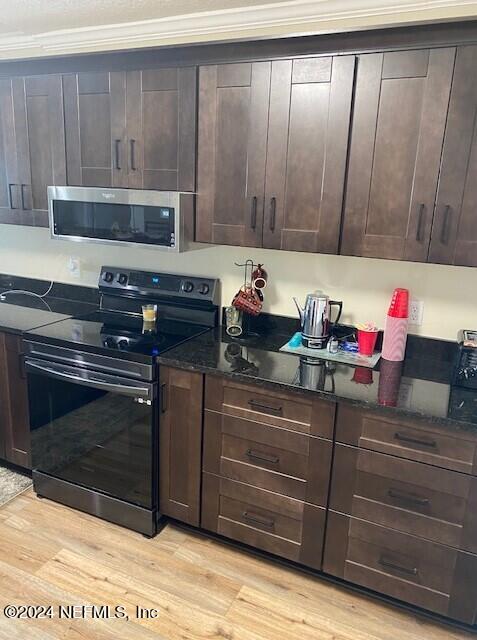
[
  {"x": 32, "y": 147},
  {"x": 131, "y": 129},
  {"x": 272, "y": 150},
  {"x": 454, "y": 233},
  {"x": 399, "y": 120}
]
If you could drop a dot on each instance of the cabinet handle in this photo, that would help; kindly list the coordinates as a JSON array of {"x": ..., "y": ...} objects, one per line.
[
  {"x": 22, "y": 191},
  {"x": 266, "y": 408},
  {"x": 263, "y": 457},
  {"x": 253, "y": 215},
  {"x": 420, "y": 223},
  {"x": 445, "y": 225},
  {"x": 163, "y": 398},
  {"x": 10, "y": 198},
  {"x": 432, "y": 444},
  {"x": 390, "y": 564},
  {"x": 117, "y": 142},
  {"x": 411, "y": 498},
  {"x": 255, "y": 519},
  {"x": 132, "y": 142},
  {"x": 273, "y": 210},
  {"x": 21, "y": 366}
]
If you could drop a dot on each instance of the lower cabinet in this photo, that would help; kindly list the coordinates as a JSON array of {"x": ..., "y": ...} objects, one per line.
[
  {"x": 180, "y": 444},
  {"x": 381, "y": 501},
  {"x": 265, "y": 520},
  {"x": 267, "y": 463},
  {"x": 14, "y": 418},
  {"x": 423, "y": 573}
]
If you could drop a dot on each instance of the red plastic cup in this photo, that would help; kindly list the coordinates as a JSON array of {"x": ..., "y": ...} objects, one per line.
[
  {"x": 399, "y": 307},
  {"x": 366, "y": 342}
]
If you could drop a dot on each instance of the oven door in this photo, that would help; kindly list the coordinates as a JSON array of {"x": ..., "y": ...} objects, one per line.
[{"x": 94, "y": 430}]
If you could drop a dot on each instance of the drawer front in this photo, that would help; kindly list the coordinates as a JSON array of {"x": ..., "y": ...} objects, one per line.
[
  {"x": 419, "y": 572},
  {"x": 287, "y": 410},
  {"x": 280, "y": 525},
  {"x": 268, "y": 457},
  {"x": 412, "y": 497},
  {"x": 414, "y": 440}
]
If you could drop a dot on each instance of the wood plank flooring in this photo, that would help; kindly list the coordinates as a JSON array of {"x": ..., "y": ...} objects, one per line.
[{"x": 203, "y": 589}]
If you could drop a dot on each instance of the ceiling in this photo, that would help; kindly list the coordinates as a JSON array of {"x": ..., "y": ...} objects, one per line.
[{"x": 30, "y": 28}]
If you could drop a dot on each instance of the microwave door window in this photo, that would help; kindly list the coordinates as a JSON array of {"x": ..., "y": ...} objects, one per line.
[
  {"x": 113, "y": 222},
  {"x": 72, "y": 218},
  {"x": 153, "y": 225}
]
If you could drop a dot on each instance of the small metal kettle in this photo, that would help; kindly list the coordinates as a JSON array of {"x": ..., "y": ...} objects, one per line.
[{"x": 316, "y": 319}]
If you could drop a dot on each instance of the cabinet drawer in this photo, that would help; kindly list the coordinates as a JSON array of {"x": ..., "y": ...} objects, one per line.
[
  {"x": 287, "y": 410},
  {"x": 268, "y": 457},
  {"x": 419, "y": 572},
  {"x": 412, "y": 497},
  {"x": 280, "y": 525},
  {"x": 411, "y": 439}
]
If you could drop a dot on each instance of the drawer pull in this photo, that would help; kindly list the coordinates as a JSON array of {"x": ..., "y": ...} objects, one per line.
[
  {"x": 265, "y": 408},
  {"x": 389, "y": 564},
  {"x": 411, "y": 498},
  {"x": 255, "y": 519},
  {"x": 263, "y": 457},
  {"x": 424, "y": 442}
]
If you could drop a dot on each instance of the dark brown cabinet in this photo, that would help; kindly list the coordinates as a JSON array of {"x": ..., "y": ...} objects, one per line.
[
  {"x": 454, "y": 233},
  {"x": 180, "y": 444},
  {"x": 131, "y": 129},
  {"x": 33, "y": 147},
  {"x": 422, "y": 573},
  {"x": 399, "y": 119},
  {"x": 402, "y": 511},
  {"x": 273, "y": 139},
  {"x": 14, "y": 418},
  {"x": 266, "y": 468}
]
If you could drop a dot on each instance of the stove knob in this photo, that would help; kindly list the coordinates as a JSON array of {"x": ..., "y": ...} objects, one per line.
[
  {"x": 123, "y": 344},
  {"x": 122, "y": 278},
  {"x": 188, "y": 286},
  {"x": 108, "y": 276},
  {"x": 204, "y": 289}
]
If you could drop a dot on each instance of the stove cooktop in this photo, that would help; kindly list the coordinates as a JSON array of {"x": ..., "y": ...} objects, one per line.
[{"x": 117, "y": 335}]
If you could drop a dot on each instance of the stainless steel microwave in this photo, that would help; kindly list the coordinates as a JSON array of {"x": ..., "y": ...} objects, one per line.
[{"x": 119, "y": 216}]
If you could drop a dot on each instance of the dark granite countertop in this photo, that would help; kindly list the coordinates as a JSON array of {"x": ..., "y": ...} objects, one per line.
[
  {"x": 418, "y": 388},
  {"x": 21, "y": 312}
]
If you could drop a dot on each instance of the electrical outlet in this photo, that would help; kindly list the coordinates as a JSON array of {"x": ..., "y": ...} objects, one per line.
[
  {"x": 74, "y": 267},
  {"x": 416, "y": 312}
]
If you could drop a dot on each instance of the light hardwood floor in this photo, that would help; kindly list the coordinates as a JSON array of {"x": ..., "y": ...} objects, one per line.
[{"x": 204, "y": 589}]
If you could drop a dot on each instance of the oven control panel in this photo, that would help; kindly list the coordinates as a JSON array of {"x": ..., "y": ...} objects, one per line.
[{"x": 157, "y": 284}]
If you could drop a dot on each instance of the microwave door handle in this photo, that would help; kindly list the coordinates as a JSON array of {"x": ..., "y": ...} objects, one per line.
[{"x": 95, "y": 383}]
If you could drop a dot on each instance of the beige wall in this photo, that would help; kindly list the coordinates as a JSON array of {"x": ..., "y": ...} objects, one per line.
[{"x": 365, "y": 285}]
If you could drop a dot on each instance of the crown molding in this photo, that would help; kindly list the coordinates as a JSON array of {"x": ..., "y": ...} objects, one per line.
[{"x": 294, "y": 17}]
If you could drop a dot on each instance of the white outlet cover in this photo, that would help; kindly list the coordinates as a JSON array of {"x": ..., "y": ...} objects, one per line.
[
  {"x": 74, "y": 266},
  {"x": 416, "y": 312}
]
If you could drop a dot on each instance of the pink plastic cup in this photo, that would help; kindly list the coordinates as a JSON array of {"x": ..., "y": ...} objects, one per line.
[{"x": 366, "y": 342}]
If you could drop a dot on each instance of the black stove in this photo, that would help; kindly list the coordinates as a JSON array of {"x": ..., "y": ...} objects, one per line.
[
  {"x": 186, "y": 307},
  {"x": 93, "y": 393}
]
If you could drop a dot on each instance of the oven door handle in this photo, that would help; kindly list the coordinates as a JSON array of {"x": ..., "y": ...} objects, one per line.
[{"x": 97, "y": 382}]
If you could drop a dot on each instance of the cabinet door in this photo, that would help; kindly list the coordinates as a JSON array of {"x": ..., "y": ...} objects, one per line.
[
  {"x": 10, "y": 207},
  {"x": 454, "y": 234},
  {"x": 95, "y": 124},
  {"x": 233, "y": 116},
  {"x": 40, "y": 137},
  {"x": 161, "y": 127},
  {"x": 180, "y": 444},
  {"x": 397, "y": 134},
  {"x": 15, "y": 422},
  {"x": 310, "y": 104}
]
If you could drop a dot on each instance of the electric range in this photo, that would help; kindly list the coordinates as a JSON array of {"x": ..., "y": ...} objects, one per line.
[{"x": 93, "y": 393}]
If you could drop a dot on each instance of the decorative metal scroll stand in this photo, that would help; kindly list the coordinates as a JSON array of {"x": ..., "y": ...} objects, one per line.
[{"x": 246, "y": 317}]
